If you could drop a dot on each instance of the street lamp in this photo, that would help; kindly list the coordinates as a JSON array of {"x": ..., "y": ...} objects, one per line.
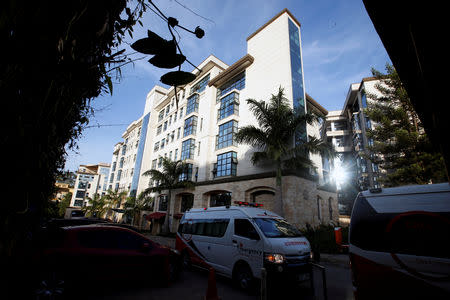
[{"x": 165, "y": 53}]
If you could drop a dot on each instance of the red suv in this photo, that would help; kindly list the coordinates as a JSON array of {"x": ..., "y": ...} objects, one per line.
[{"x": 71, "y": 257}]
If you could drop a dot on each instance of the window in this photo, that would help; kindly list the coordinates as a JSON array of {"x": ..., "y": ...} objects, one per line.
[
  {"x": 170, "y": 155},
  {"x": 330, "y": 208},
  {"x": 124, "y": 149},
  {"x": 175, "y": 117},
  {"x": 181, "y": 112},
  {"x": 112, "y": 178},
  {"x": 116, "y": 188},
  {"x": 82, "y": 185},
  {"x": 363, "y": 99},
  {"x": 201, "y": 124},
  {"x": 80, "y": 194},
  {"x": 178, "y": 132},
  {"x": 170, "y": 120},
  {"x": 163, "y": 142},
  {"x": 187, "y": 173},
  {"x": 187, "y": 202},
  {"x": 276, "y": 228},
  {"x": 172, "y": 136},
  {"x": 159, "y": 129},
  {"x": 121, "y": 163},
  {"x": 220, "y": 199},
  {"x": 156, "y": 148},
  {"x": 200, "y": 86},
  {"x": 192, "y": 104},
  {"x": 187, "y": 149},
  {"x": 154, "y": 164},
  {"x": 78, "y": 203},
  {"x": 238, "y": 82},
  {"x": 165, "y": 126},
  {"x": 319, "y": 212},
  {"x": 161, "y": 115},
  {"x": 243, "y": 227},
  {"x": 340, "y": 125},
  {"x": 176, "y": 154},
  {"x": 226, "y": 164},
  {"x": 229, "y": 105},
  {"x": 167, "y": 110},
  {"x": 110, "y": 239},
  {"x": 160, "y": 162},
  {"x": 119, "y": 174},
  {"x": 226, "y": 133},
  {"x": 190, "y": 126},
  {"x": 162, "y": 203},
  {"x": 198, "y": 150},
  {"x": 205, "y": 227},
  {"x": 114, "y": 166}
]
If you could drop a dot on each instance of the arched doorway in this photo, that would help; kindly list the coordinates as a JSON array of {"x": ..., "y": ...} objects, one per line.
[
  {"x": 218, "y": 198},
  {"x": 263, "y": 194},
  {"x": 183, "y": 202}
]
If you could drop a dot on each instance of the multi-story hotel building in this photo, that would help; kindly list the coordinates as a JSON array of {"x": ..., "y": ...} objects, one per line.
[
  {"x": 91, "y": 180},
  {"x": 200, "y": 129},
  {"x": 347, "y": 129}
]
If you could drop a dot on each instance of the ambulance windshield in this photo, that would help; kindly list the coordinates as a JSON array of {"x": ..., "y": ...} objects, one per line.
[{"x": 277, "y": 228}]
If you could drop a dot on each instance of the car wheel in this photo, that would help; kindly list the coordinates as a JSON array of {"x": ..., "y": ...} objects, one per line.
[
  {"x": 186, "y": 261},
  {"x": 244, "y": 277},
  {"x": 51, "y": 286},
  {"x": 173, "y": 271}
]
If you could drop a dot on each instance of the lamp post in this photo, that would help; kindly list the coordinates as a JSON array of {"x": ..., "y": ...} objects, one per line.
[{"x": 165, "y": 53}]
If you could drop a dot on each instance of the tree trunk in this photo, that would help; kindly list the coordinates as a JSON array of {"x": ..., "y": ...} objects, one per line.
[
  {"x": 166, "y": 229},
  {"x": 279, "y": 182}
]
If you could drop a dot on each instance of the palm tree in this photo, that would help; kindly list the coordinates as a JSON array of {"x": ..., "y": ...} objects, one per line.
[
  {"x": 96, "y": 207},
  {"x": 114, "y": 200},
  {"x": 276, "y": 138},
  {"x": 168, "y": 179},
  {"x": 134, "y": 205}
]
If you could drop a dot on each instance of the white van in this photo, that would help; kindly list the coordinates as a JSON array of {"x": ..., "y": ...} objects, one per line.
[
  {"x": 237, "y": 241},
  {"x": 399, "y": 243}
]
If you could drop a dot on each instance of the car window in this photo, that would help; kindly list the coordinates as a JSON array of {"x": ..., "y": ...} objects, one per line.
[
  {"x": 205, "y": 227},
  {"x": 276, "y": 228},
  {"x": 243, "y": 227},
  {"x": 110, "y": 239}
]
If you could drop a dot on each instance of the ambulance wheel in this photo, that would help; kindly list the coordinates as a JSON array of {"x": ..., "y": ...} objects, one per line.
[
  {"x": 186, "y": 261},
  {"x": 243, "y": 277}
]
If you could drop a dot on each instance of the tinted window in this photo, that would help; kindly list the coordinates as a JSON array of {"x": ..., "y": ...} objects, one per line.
[
  {"x": 205, "y": 227},
  {"x": 277, "y": 228},
  {"x": 110, "y": 239},
  {"x": 243, "y": 227}
]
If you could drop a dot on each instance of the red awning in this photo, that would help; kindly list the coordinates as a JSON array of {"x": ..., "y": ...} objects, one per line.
[
  {"x": 178, "y": 216},
  {"x": 156, "y": 215}
]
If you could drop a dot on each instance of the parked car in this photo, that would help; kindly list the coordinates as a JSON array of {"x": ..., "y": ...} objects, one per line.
[
  {"x": 71, "y": 257},
  {"x": 74, "y": 222},
  {"x": 128, "y": 226}
]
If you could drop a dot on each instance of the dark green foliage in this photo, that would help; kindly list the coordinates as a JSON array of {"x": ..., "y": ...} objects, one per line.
[
  {"x": 134, "y": 205},
  {"x": 273, "y": 138},
  {"x": 57, "y": 56},
  {"x": 401, "y": 146},
  {"x": 168, "y": 179},
  {"x": 322, "y": 238}
]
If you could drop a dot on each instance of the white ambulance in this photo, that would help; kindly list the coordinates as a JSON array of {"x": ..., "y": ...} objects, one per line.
[
  {"x": 400, "y": 243},
  {"x": 237, "y": 241}
]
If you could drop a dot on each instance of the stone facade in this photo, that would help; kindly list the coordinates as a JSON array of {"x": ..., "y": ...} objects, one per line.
[{"x": 303, "y": 201}]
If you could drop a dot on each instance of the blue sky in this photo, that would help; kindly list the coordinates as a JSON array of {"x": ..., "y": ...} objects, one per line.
[{"x": 339, "y": 44}]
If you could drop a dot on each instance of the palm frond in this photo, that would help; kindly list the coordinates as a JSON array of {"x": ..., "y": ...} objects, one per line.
[{"x": 251, "y": 135}]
